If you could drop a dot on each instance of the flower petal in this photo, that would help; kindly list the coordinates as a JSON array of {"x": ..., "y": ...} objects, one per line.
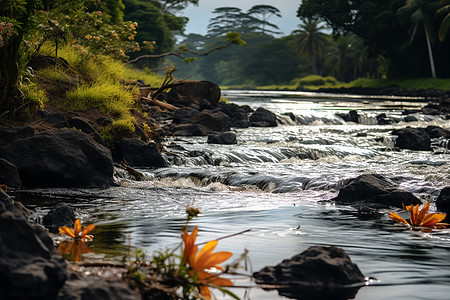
[
  {"x": 423, "y": 213},
  {"x": 431, "y": 219},
  {"x": 216, "y": 258},
  {"x": 77, "y": 228},
  {"x": 86, "y": 230},
  {"x": 66, "y": 230},
  {"x": 203, "y": 255},
  {"x": 397, "y": 218}
]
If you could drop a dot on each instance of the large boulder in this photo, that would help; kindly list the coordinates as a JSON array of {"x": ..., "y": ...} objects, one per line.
[
  {"x": 188, "y": 92},
  {"x": 317, "y": 273},
  {"x": 9, "y": 174},
  {"x": 60, "y": 158},
  {"x": 191, "y": 130},
  {"x": 86, "y": 127},
  {"x": 60, "y": 215},
  {"x": 137, "y": 153},
  {"x": 413, "y": 139},
  {"x": 30, "y": 266},
  {"x": 263, "y": 118},
  {"x": 375, "y": 191}
]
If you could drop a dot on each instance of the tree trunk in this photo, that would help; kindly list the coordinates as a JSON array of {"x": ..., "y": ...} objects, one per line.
[{"x": 430, "y": 52}]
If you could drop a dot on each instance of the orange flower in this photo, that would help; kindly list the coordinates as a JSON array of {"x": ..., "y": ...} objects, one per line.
[
  {"x": 420, "y": 218},
  {"x": 204, "y": 262},
  {"x": 76, "y": 233}
]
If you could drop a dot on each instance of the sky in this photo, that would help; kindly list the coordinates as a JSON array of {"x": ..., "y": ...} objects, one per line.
[{"x": 199, "y": 15}]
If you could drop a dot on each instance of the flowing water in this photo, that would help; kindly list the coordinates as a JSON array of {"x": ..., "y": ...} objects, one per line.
[{"x": 276, "y": 182}]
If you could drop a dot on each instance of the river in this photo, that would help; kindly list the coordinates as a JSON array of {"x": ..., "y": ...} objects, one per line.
[{"x": 277, "y": 182}]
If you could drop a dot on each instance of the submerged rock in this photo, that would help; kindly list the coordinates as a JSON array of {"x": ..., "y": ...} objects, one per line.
[
  {"x": 60, "y": 158},
  {"x": 374, "y": 190},
  {"x": 317, "y": 273}
]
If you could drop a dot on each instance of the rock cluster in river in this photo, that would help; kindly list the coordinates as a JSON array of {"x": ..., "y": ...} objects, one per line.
[
  {"x": 374, "y": 190},
  {"x": 317, "y": 273}
]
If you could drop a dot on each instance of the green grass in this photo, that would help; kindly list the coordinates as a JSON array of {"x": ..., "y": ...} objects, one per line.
[
  {"x": 110, "y": 98},
  {"x": 153, "y": 79},
  {"x": 423, "y": 83},
  {"x": 314, "y": 82}
]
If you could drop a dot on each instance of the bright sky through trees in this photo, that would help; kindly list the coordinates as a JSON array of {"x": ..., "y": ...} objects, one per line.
[{"x": 199, "y": 15}]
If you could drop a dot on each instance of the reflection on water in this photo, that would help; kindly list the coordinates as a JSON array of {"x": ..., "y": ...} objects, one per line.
[{"x": 277, "y": 182}]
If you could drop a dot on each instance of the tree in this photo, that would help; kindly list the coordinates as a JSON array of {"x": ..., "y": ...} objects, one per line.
[
  {"x": 342, "y": 57},
  {"x": 421, "y": 13},
  {"x": 264, "y": 13},
  {"x": 112, "y": 11},
  {"x": 311, "y": 41},
  {"x": 445, "y": 24},
  {"x": 227, "y": 19},
  {"x": 15, "y": 23},
  {"x": 377, "y": 22}
]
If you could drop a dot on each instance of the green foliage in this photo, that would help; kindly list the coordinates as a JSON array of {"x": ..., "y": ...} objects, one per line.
[
  {"x": 15, "y": 23},
  {"x": 33, "y": 95},
  {"x": 315, "y": 80},
  {"x": 149, "y": 77},
  {"x": 109, "y": 97},
  {"x": 116, "y": 131},
  {"x": 377, "y": 22}
]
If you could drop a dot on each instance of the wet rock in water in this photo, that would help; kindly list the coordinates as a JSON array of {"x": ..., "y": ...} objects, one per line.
[
  {"x": 226, "y": 138},
  {"x": 237, "y": 114},
  {"x": 60, "y": 215},
  {"x": 9, "y": 175},
  {"x": 410, "y": 119},
  {"x": 443, "y": 202},
  {"x": 188, "y": 92},
  {"x": 351, "y": 116},
  {"x": 137, "y": 153},
  {"x": 384, "y": 120},
  {"x": 60, "y": 158},
  {"x": 437, "y": 132},
  {"x": 30, "y": 266},
  {"x": 375, "y": 191},
  {"x": 214, "y": 121},
  {"x": 317, "y": 273},
  {"x": 413, "y": 139},
  {"x": 91, "y": 288},
  {"x": 263, "y": 118}
]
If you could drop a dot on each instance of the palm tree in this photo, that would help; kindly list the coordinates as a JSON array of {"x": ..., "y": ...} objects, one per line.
[
  {"x": 445, "y": 24},
  {"x": 421, "y": 13},
  {"x": 342, "y": 56},
  {"x": 311, "y": 41}
]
